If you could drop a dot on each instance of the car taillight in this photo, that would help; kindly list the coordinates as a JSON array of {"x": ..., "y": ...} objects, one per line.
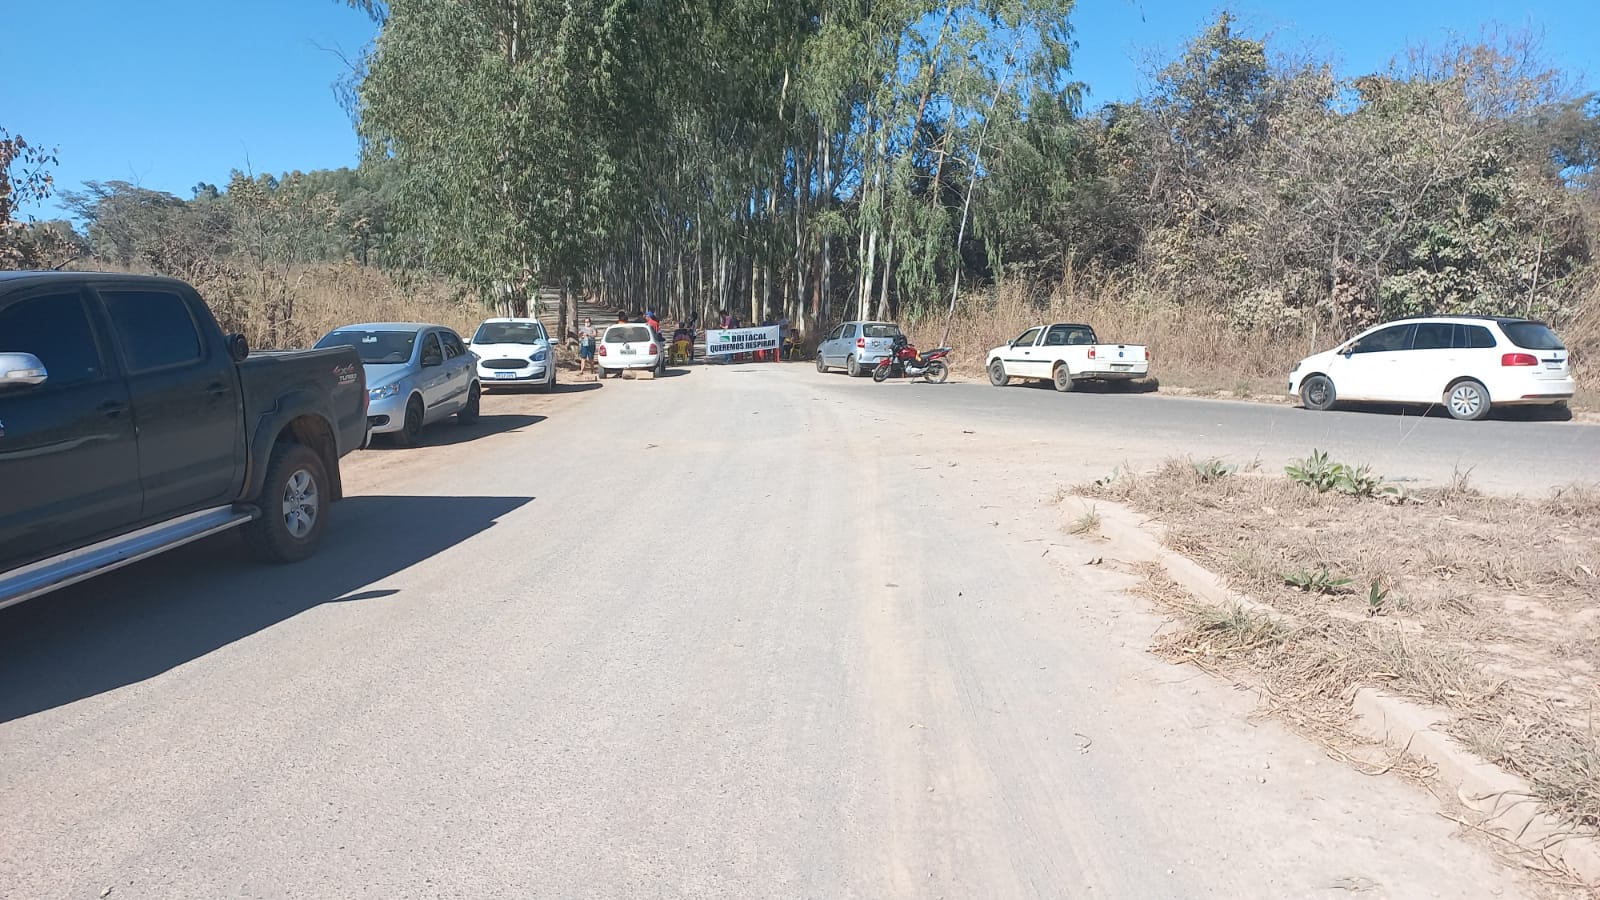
[
  {"x": 602, "y": 349},
  {"x": 1091, "y": 353},
  {"x": 1147, "y": 353},
  {"x": 1519, "y": 359},
  {"x": 654, "y": 349},
  {"x": 861, "y": 343}
]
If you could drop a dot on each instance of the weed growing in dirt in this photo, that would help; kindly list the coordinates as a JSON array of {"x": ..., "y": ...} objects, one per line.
[
  {"x": 1319, "y": 581},
  {"x": 1088, "y": 523},
  {"x": 1213, "y": 470},
  {"x": 1323, "y": 475}
]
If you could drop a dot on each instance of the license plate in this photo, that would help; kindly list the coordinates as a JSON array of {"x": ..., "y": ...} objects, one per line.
[
  {"x": 627, "y": 352},
  {"x": 505, "y": 374},
  {"x": 1122, "y": 366}
]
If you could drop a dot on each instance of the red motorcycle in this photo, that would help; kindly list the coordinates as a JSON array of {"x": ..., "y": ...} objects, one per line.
[{"x": 904, "y": 359}]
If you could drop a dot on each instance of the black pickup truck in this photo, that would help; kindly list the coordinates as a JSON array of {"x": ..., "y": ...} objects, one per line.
[{"x": 130, "y": 424}]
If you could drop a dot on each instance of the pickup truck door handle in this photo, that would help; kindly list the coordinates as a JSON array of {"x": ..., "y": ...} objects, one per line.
[
  {"x": 217, "y": 389},
  {"x": 112, "y": 408}
]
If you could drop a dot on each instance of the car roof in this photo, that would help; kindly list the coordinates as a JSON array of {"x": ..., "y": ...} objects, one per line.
[
  {"x": 1498, "y": 320},
  {"x": 32, "y": 277},
  {"x": 526, "y": 320},
  {"x": 388, "y": 326}
]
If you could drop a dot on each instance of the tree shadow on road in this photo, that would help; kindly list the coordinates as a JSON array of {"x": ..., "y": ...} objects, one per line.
[{"x": 138, "y": 622}]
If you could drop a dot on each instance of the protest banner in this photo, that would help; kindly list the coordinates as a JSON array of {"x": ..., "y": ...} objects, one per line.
[{"x": 741, "y": 340}]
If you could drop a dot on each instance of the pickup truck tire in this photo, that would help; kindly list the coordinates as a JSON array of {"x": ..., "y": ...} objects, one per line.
[
  {"x": 1317, "y": 393},
  {"x": 294, "y": 506},
  {"x": 468, "y": 414},
  {"x": 1061, "y": 377},
  {"x": 997, "y": 374},
  {"x": 410, "y": 433}
]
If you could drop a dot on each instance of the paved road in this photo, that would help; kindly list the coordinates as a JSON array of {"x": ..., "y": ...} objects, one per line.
[
  {"x": 735, "y": 633},
  {"x": 1510, "y": 453}
]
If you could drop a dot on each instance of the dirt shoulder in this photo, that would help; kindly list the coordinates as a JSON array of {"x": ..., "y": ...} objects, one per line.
[{"x": 1486, "y": 606}]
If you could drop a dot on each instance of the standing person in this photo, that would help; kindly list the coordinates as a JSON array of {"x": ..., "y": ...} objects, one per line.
[
  {"x": 586, "y": 338},
  {"x": 622, "y": 317},
  {"x": 651, "y": 320}
]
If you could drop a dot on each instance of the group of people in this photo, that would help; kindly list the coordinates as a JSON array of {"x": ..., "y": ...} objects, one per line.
[
  {"x": 588, "y": 336},
  {"x": 683, "y": 336}
]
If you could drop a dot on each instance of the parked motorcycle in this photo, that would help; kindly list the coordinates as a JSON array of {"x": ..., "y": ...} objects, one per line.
[{"x": 904, "y": 359}]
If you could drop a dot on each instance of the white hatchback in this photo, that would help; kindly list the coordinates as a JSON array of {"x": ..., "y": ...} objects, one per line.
[
  {"x": 514, "y": 352},
  {"x": 629, "y": 346},
  {"x": 1467, "y": 363}
]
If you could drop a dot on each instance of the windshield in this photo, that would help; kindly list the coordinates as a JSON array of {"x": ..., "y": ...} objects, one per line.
[
  {"x": 1532, "y": 335},
  {"x": 881, "y": 331},
  {"x": 626, "y": 334},
  {"x": 508, "y": 333},
  {"x": 375, "y": 347}
]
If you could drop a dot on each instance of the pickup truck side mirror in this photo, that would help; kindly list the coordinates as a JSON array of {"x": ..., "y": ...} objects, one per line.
[
  {"x": 238, "y": 347},
  {"x": 21, "y": 370}
]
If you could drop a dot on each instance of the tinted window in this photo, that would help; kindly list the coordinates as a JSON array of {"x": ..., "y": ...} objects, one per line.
[
  {"x": 1532, "y": 335},
  {"x": 153, "y": 328},
  {"x": 847, "y": 331},
  {"x": 1385, "y": 339},
  {"x": 375, "y": 347},
  {"x": 508, "y": 333},
  {"x": 430, "y": 349},
  {"x": 1062, "y": 335},
  {"x": 452, "y": 345},
  {"x": 55, "y": 329},
  {"x": 1434, "y": 336},
  {"x": 627, "y": 334},
  {"x": 882, "y": 331},
  {"x": 1027, "y": 338},
  {"x": 1474, "y": 337}
]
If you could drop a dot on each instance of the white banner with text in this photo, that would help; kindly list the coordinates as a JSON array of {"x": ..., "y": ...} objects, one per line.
[{"x": 741, "y": 340}]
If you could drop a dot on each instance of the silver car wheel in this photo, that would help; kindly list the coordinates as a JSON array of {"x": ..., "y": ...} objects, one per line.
[{"x": 301, "y": 503}]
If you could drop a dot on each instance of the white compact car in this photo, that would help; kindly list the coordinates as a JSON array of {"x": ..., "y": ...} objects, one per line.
[
  {"x": 514, "y": 352},
  {"x": 1467, "y": 363},
  {"x": 629, "y": 346}
]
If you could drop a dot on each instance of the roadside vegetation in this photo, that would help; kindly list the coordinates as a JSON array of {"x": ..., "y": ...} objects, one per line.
[
  {"x": 931, "y": 163},
  {"x": 1486, "y": 606}
]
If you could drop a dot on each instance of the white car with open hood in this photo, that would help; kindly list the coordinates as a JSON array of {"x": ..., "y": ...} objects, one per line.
[{"x": 1467, "y": 363}]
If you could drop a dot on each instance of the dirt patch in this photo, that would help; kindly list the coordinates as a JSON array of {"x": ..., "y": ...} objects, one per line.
[{"x": 1489, "y": 607}]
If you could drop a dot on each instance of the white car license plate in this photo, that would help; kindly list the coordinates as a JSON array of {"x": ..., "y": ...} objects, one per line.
[
  {"x": 627, "y": 351},
  {"x": 505, "y": 374},
  {"x": 1121, "y": 367}
]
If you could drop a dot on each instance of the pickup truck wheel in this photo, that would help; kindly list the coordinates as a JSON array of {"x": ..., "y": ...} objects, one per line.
[
  {"x": 410, "y": 433},
  {"x": 294, "y": 506},
  {"x": 1061, "y": 377},
  {"x": 997, "y": 374},
  {"x": 852, "y": 367},
  {"x": 466, "y": 415}
]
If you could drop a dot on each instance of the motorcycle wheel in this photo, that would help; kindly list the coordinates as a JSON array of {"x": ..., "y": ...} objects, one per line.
[
  {"x": 937, "y": 372},
  {"x": 880, "y": 372}
]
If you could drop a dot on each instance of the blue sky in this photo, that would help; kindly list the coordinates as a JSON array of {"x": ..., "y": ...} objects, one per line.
[{"x": 167, "y": 93}]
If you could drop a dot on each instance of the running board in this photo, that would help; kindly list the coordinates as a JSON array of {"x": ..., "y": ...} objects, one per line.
[{"x": 74, "y": 566}]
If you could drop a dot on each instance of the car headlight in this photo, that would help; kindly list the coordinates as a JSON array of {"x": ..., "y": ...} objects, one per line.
[
  {"x": 379, "y": 393},
  {"x": 538, "y": 356}
]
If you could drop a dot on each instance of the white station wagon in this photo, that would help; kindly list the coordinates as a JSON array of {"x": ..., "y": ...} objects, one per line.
[{"x": 1467, "y": 363}]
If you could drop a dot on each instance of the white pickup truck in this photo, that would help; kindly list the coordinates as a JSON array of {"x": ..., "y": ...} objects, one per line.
[{"x": 1065, "y": 353}]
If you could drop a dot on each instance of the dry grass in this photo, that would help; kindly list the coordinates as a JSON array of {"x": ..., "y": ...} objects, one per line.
[
  {"x": 292, "y": 308},
  {"x": 1480, "y": 616},
  {"x": 1192, "y": 349}
]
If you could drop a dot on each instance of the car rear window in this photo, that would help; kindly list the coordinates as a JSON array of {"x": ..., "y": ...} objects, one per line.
[
  {"x": 882, "y": 331},
  {"x": 1532, "y": 335},
  {"x": 375, "y": 347},
  {"x": 508, "y": 333},
  {"x": 627, "y": 334}
]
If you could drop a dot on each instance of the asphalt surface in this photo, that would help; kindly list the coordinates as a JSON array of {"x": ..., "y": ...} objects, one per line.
[
  {"x": 741, "y": 632},
  {"x": 1510, "y": 452}
]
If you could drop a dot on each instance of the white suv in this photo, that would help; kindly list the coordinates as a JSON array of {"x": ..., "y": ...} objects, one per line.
[{"x": 1468, "y": 363}]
